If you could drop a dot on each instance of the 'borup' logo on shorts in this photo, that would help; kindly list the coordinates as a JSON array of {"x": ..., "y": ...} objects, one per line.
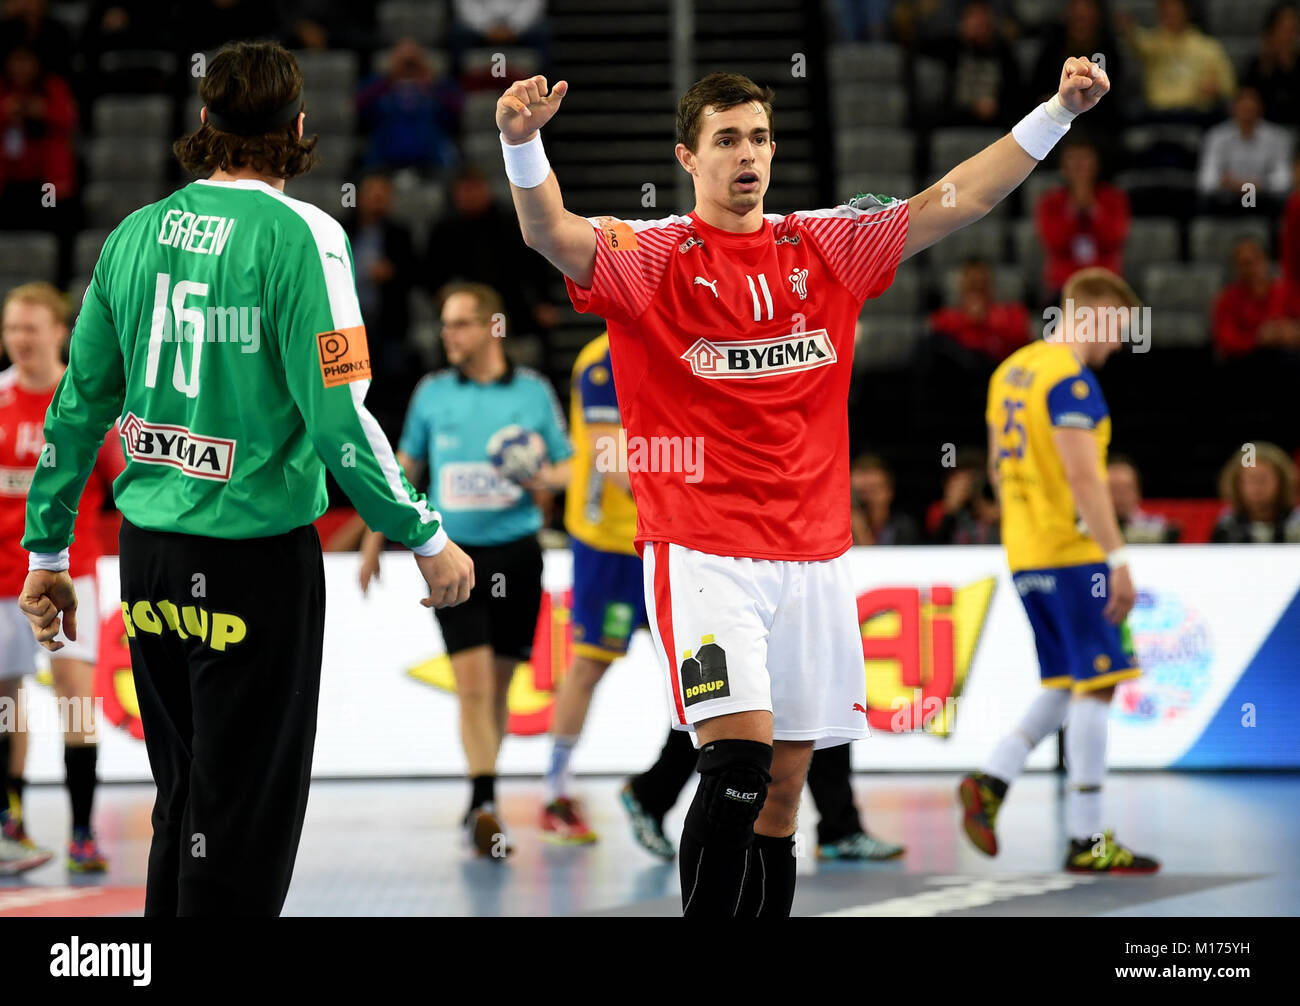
[
  {"x": 164, "y": 444},
  {"x": 761, "y": 357},
  {"x": 704, "y": 675},
  {"x": 344, "y": 356}
]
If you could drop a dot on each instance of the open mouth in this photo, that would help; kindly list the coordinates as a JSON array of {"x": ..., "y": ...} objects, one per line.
[{"x": 746, "y": 181}]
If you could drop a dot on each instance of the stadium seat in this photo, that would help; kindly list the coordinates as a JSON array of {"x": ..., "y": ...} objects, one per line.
[
  {"x": 327, "y": 70},
  {"x": 481, "y": 66},
  {"x": 1162, "y": 145},
  {"x": 931, "y": 76},
  {"x": 882, "y": 63},
  {"x": 1160, "y": 192},
  {"x": 77, "y": 291},
  {"x": 417, "y": 206},
  {"x": 125, "y": 157},
  {"x": 984, "y": 239},
  {"x": 1036, "y": 14},
  {"x": 1175, "y": 286},
  {"x": 904, "y": 295},
  {"x": 422, "y": 21},
  {"x": 949, "y": 147},
  {"x": 123, "y": 115},
  {"x": 31, "y": 253},
  {"x": 330, "y": 112},
  {"x": 1151, "y": 241},
  {"x": 1038, "y": 182},
  {"x": 1187, "y": 329},
  {"x": 85, "y": 250},
  {"x": 1241, "y": 50},
  {"x": 886, "y": 340},
  {"x": 322, "y": 191},
  {"x": 888, "y": 151},
  {"x": 109, "y": 203},
  {"x": 479, "y": 116},
  {"x": 871, "y": 105},
  {"x": 1211, "y": 239}
]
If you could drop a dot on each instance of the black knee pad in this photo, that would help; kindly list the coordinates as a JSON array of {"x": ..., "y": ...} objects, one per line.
[{"x": 734, "y": 776}]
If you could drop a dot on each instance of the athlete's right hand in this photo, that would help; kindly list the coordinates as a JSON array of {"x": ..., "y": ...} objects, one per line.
[
  {"x": 1122, "y": 596},
  {"x": 526, "y": 107},
  {"x": 47, "y": 595},
  {"x": 449, "y": 574}
]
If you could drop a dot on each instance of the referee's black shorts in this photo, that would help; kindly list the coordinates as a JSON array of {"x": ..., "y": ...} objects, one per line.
[{"x": 502, "y": 608}]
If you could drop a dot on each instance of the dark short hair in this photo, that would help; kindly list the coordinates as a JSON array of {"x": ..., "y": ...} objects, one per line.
[
  {"x": 872, "y": 463},
  {"x": 722, "y": 91},
  {"x": 245, "y": 81},
  {"x": 488, "y": 300}
]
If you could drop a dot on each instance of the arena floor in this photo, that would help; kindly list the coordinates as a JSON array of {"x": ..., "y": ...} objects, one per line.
[{"x": 1227, "y": 842}]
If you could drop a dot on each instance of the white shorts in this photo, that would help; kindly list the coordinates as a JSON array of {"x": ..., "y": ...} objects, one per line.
[
  {"x": 19, "y": 649},
  {"x": 736, "y": 634}
]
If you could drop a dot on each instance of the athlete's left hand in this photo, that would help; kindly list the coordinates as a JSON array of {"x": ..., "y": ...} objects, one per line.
[
  {"x": 1122, "y": 596},
  {"x": 46, "y": 596},
  {"x": 1083, "y": 83}
]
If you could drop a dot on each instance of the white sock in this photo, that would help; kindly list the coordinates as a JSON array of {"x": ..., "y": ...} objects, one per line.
[
  {"x": 1044, "y": 716},
  {"x": 1085, "y": 762},
  {"x": 557, "y": 776}
]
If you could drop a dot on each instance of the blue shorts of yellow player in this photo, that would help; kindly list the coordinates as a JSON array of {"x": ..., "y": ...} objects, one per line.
[
  {"x": 608, "y": 601},
  {"x": 1077, "y": 647}
]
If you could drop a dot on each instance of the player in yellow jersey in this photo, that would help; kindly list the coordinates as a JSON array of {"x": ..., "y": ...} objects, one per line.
[
  {"x": 1049, "y": 429},
  {"x": 608, "y": 606}
]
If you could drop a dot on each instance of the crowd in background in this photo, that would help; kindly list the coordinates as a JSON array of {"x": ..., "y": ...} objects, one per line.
[{"x": 409, "y": 102}]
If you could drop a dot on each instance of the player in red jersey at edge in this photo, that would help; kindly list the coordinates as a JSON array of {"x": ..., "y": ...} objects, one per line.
[
  {"x": 35, "y": 329},
  {"x": 731, "y": 338}
]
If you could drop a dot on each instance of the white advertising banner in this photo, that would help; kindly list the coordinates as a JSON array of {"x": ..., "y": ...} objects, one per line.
[{"x": 948, "y": 656}]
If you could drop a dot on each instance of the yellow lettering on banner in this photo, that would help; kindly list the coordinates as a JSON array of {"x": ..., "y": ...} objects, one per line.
[
  {"x": 146, "y": 618},
  {"x": 227, "y": 630},
  {"x": 126, "y": 618},
  {"x": 172, "y": 618},
  {"x": 196, "y": 620}
]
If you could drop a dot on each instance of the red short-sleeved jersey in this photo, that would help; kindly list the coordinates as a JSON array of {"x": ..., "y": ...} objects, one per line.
[
  {"x": 22, "y": 423},
  {"x": 732, "y": 355}
]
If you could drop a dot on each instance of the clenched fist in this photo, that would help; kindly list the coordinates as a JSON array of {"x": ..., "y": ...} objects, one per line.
[
  {"x": 526, "y": 107},
  {"x": 1083, "y": 83}
]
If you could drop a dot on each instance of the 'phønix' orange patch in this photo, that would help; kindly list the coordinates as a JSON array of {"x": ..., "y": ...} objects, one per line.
[{"x": 344, "y": 356}]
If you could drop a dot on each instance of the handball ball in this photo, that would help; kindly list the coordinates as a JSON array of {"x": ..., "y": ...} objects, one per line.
[{"x": 516, "y": 453}]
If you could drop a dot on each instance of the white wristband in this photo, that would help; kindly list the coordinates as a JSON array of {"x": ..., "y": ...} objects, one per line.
[
  {"x": 1040, "y": 130},
  {"x": 433, "y": 546},
  {"x": 55, "y": 562},
  {"x": 1117, "y": 558},
  {"x": 526, "y": 163}
]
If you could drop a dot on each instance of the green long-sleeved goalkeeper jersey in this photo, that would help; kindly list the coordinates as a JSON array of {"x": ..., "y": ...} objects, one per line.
[{"x": 222, "y": 327}]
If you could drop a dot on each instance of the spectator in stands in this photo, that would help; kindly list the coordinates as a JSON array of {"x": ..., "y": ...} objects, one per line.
[
  {"x": 1136, "y": 525},
  {"x": 1253, "y": 312},
  {"x": 978, "y": 521},
  {"x": 1288, "y": 241},
  {"x": 1083, "y": 31},
  {"x": 38, "y": 117},
  {"x": 958, "y": 483},
  {"x": 1084, "y": 222},
  {"x": 478, "y": 241},
  {"x": 874, "y": 519},
  {"x": 1245, "y": 150},
  {"x": 983, "y": 74},
  {"x": 385, "y": 266},
  {"x": 26, "y": 24},
  {"x": 1259, "y": 488},
  {"x": 496, "y": 24},
  {"x": 1275, "y": 72},
  {"x": 1186, "y": 75},
  {"x": 985, "y": 330},
  {"x": 410, "y": 114}
]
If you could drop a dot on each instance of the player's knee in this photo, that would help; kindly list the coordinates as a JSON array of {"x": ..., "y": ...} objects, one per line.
[
  {"x": 587, "y": 672},
  {"x": 781, "y": 808},
  {"x": 734, "y": 780}
]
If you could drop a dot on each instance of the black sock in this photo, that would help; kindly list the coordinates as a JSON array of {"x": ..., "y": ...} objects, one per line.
[
  {"x": 714, "y": 852},
  {"x": 998, "y": 786},
  {"x": 484, "y": 790},
  {"x": 79, "y": 765},
  {"x": 659, "y": 786},
  {"x": 769, "y": 882}
]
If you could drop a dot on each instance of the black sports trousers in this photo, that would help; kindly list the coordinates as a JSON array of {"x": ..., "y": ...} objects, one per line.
[{"x": 226, "y": 640}]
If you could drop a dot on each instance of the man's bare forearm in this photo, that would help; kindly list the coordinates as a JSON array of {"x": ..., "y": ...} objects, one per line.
[
  {"x": 564, "y": 239},
  {"x": 1092, "y": 500}
]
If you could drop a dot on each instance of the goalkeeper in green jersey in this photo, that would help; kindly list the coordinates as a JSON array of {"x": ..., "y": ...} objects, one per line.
[{"x": 222, "y": 325}]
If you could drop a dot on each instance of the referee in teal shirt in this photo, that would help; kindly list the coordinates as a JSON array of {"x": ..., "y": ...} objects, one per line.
[{"x": 452, "y": 415}]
